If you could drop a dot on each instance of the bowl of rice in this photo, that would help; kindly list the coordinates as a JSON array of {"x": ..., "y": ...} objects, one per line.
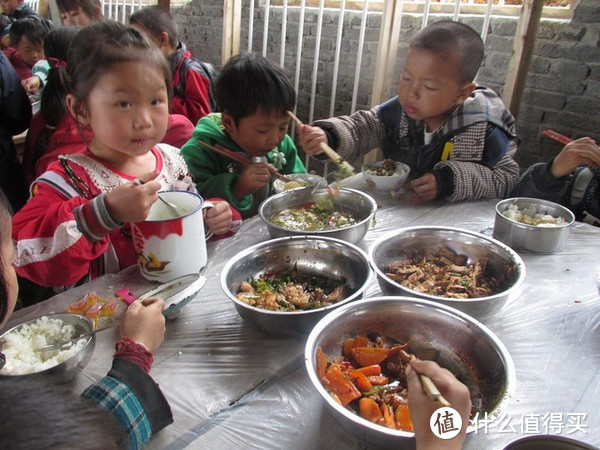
[
  {"x": 386, "y": 175},
  {"x": 533, "y": 225},
  {"x": 23, "y": 344}
]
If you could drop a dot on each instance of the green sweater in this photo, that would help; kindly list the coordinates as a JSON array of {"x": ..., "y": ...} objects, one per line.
[{"x": 215, "y": 174}]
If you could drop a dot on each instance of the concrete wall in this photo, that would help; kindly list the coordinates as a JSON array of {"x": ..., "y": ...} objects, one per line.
[{"x": 562, "y": 90}]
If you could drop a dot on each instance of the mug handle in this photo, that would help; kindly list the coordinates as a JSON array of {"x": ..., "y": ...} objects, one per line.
[{"x": 207, "y": 205}]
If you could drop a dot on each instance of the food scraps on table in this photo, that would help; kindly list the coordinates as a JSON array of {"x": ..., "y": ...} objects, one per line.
[{"x": 291, "y": 291}]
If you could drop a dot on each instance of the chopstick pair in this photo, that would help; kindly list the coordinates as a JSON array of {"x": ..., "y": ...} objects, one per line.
[
  {"x": 557, "y": 136},
  {"x": 331, "y": 153},
  {"x": 239, "y": 158}
]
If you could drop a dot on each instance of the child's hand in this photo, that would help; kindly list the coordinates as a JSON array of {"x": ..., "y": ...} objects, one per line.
[
  {"x": 218, "y": 218},
  {"x": 425, "y": 187},
  {"x": 131, "y": 202},
  {"x": 581, "y": 152},
  {"x": 31, "y": 84},
  {"x": 144, "y": 322},
  {"x": 422, "y": 407},
  {"x": 311, "y": 138},
  {"x": 253, "y": 177}
]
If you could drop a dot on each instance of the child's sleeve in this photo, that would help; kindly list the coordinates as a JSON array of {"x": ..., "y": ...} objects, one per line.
[
  {"x": 40, "y": 69},
  {"x": 58, "y": 238}
]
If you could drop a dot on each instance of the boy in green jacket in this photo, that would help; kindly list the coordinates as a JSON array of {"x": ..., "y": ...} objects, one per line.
[{"x": 253, "y": 96}]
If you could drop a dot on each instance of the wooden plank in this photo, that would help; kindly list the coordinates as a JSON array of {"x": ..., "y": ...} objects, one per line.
[
  {"x": 164, "y": 4},
  {"x": 232, "y": 21},
  {"x": 523, "y": 43}
]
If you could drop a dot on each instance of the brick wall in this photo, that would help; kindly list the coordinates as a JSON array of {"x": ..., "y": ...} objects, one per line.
[{"x": 562, "y": 90}]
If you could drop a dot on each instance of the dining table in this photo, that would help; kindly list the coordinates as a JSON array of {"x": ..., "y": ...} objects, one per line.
[{"x": 232, "y": 387}]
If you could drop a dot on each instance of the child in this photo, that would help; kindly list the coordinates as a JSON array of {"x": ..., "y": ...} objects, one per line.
[
  {"x": 457, "y": 138},
  {"x": 26, "y": 45},
  {"x": 254, "y": 96},
  {"x": 572, "y": 179},
  {"x": 192, "y": 79},
  {"x": 79, "y": 12},
  {"x": 13, "y": 10},
  {"x": 128, "y": 392},
  {"x": 79, "y": 214}
]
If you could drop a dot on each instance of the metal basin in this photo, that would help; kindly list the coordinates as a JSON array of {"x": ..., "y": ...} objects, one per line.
[
  {"x": 532, "y": 238},
  {"x": 424, "y": 239},
  {"x": 359, "y": 204},
  {"x": 453, "y": 339},
  {"x": 311, "y": 255}
]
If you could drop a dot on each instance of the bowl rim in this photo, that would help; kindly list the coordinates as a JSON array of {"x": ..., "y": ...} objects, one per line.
[
  {"x": 302, "y": 175},
  {"x": 570, "y": 217},
  {"x": 324, "y": 233},
  {"x": 398, "y": 164},
  {"x": 235, "y": 259},
  {"x": 514, "y": 255},
  {"x": 57, "y": 315},
  {"x": 320, "y": 326}
]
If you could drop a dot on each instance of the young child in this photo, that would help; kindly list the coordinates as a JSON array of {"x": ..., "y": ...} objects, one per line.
[
  {"x": 572, "y": 179},
  {"x": 192, "y": 78},
  {"x": 128, "y": 392},
  {"x": 79, "y": 12},
  {"x": 457, "y": 138},
  {"x": 26, "y": 45},
  {"x": 79, "y": 214},
  {"x": 254, "y": 96},
  {"x": 13, "y": 10}
]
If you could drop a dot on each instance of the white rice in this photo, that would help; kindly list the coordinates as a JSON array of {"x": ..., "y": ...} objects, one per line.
[
  {"x": 21, "y": 347},
  {"x": 530, "y": 216}
]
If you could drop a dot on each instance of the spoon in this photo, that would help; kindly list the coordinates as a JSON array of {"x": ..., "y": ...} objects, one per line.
[{"x": 174, "y": 209}]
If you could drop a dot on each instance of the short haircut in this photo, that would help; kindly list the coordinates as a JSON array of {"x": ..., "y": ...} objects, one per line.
[
  {"x": 92, "y": 8},
  {"x": 249, "y": 83},
  {"x": 156, "y": 20},
  {"x": 32, "y": 27},
  {"x": 453, "y": 39}
]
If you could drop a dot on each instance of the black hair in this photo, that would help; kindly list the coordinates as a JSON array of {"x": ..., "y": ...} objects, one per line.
[
  {"x": 32, "y": 27},
  {"x": 453, "y": 39},
  {"x": 92, "y": 8},
  {"x": 98, "y": 47},
  {"x": 5, "y": 226},
  {"x": 156, "y": 20},
  {"x": 249, "y": 82}
]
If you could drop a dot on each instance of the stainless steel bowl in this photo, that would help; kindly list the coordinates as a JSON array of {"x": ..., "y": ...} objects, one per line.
[
  {"x": 532, "y": 238},
  {"x": 404, "y": 242},
  {"x": 67, "y": 369},
  {"x": 451, "y": 338},
  {"x": 311, "y": 255},
  {"x": 361, "y": 205},
  {"x": 308, "y": 180}
]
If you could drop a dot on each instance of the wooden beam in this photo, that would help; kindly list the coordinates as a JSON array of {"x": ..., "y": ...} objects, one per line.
[
  {"x": 164, "y": 4},
  {"x": 520, "y": 58},
  {"x": 232, "y": 22}
]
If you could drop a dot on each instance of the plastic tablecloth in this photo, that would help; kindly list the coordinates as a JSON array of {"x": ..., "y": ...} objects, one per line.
[{"x": 230, "y": 386}]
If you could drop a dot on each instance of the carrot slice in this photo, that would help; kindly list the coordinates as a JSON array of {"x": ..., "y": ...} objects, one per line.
[
  {"x": 369, "y": 409},
  {"x": 361, "y": 380},
  {"x": 322, "y": 362},
  {"x": 338, "y": 383},
  {"x": 367, "y": 356},
  {"x": 378, "y": 380},
  {"x": 350, "y": 343},
  {"x": 403, "y": 421},
  {"x": 374, "y": 369},
  {"x": 388, "y": 416}
]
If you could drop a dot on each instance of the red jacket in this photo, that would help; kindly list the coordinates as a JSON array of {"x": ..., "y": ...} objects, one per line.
[
  {"x": 21, "y": 67},
  {"x": 64, "y": 236}
]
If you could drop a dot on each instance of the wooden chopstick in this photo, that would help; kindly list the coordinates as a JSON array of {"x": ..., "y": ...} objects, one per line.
[
  {"x": 429, "y": 386},
  {"x": 557, "y": 136},
  {"x": 331, "y": 153},
  {"x": 239, "y": 158}
]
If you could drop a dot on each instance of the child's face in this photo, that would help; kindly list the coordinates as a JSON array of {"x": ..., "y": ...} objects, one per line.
[
  {"x": 429, "y": 88},
  {"x": 10, "y": 277},
  {"x": 8, "y": 6},
  {"x": 76, "y": 17},
  {"x": 128, "y": 111},
  {"x": 258, "y": 133},
  {"x": 31, "y": 52}
]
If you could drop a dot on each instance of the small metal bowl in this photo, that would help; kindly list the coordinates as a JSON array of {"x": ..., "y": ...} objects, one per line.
[
  {"x": 308, "y": 180},
  {"x": 67, "y": 369},
  {"x": 533, "y": 238},
  {"x": 310, "y": 255},
  {"x": 451, "y": 338},
  {"x": 503, "y": 262},
  {"x": 361, "y": 205}
]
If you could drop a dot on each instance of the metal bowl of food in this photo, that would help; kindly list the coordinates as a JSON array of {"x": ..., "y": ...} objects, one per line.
[
  {"x": 339, "y": 213},
  {"x": 339, "y": 269},
  {"x": 23, "y": 346},
  {"x": 533, "y": 225},
  {"x": 299, "y": 180},
  {"x": 459, "y": 268},
  {"x": 428, "y": 330}
]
